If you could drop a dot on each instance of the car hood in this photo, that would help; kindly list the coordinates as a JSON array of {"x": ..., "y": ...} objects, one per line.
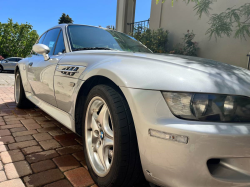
[{"x": 171, "y": 72}]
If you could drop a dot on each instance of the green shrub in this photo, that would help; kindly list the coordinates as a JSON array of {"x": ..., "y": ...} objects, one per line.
[
  {"x": 188, "y": 47},
  {"x": 156, "y": 41}
]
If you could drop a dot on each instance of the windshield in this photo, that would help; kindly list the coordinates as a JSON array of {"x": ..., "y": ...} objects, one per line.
[{"x": 90, "y": 38}]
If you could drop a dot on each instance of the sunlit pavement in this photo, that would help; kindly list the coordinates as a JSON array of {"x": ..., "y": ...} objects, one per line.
[
  {"x": 35, "y": 149},
  {"x": 7, "y": 79}
]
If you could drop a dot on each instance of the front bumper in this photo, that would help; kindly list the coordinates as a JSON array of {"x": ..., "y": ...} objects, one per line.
[{"x": 167, "y": 163}]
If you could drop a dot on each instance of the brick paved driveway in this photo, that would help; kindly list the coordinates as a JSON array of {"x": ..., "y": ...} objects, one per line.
[{"x": 35, "y": 149}]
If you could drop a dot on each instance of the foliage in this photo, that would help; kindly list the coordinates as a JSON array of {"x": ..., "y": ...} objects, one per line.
[
  {"x": 234, "y": 19},
  {"x": 156, "y": 41},
  {"x": 65, "y": 19},
  {"x": 188, "y": 47},
  {"x": 16, "y": 39}
]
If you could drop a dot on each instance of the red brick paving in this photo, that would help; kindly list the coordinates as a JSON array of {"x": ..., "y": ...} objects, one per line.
[
  {"x": 79, "y": 177},
  {"x": 36, "y": 150}
]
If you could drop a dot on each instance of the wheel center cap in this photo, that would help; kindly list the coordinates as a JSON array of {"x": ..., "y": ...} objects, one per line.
[{"x": 101, "y": 134}]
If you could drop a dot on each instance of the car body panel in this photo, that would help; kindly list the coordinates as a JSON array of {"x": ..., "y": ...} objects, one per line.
[
  {"x": 64, "y": 84},
  {"x": 177, "y": 164},
  {"x": 141, "y": 78},
  {"x": 41, "y": 77}
]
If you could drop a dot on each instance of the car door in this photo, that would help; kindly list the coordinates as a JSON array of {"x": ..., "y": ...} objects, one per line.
[
  {"x": 13, "y": 63},
  {"x": 9, "y": 63},
  {"x": 41, "y": 72}
]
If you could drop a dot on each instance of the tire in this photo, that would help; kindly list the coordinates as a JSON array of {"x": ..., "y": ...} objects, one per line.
[
  {"x": 20, "y": 97},
  {"x": 123, "y": 165},
  {"x": 1, "y": 69}
]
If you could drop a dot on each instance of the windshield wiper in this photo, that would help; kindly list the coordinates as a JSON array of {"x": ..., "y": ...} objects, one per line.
[{"x": 92, "y": 48}]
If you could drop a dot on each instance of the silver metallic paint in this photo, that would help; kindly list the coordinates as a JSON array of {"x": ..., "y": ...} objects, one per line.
[{"x": 141, "y": 77}]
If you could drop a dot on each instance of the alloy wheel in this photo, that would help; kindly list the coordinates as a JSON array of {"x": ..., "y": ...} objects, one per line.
[{"x": 99, "y": 136}]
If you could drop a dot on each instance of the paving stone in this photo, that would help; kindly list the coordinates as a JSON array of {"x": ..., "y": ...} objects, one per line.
[
  {"x": 10, "y": 126},
  {"x": 45, "y": 155},
  {"x": 79, "y": 140},
  {"x": 43, "y": 178},
  {"x": 42, "y": 136},
  {"x": 2, "y": 123},
  {"x": 66, "y": 130},
  {"x": 28, "y": 121},
  {"x": 66, "y": 162},
  {"x": 1, "y": 165},
  {"x": 23, "y": 138},
  {"x": 32, "y": 126},
  {"x": 48, "y": 129},
  {"x": 43, "y": 166},
  {"x": 83, "y": 163},
  {"x": 57, "y": 132},
  {"x": 12, "y": 122},
  {"x": 79, "y": 177},
  {"x": 61, "y": 183},
  {"x": 11, "y": 156},
  {"x": 40, "y": 119},
  {"x": 47, "y": 125},
  {"x": 44, "y": 121},
  {"x": 21, "y": 145},
  {"x": 12, "y": 118},
  {"x": 23, "y": 133},
  {"x": 68, "y": 142},
  {"x": 69, "y": 149},
  {"x": 5, "y": 132},
  {"x": 3, "y": 148},
  {"x": 12, "y": 183},
  {"x": 67, "y": 139},
  {"x": 2, "y": 176},
  {"x": 18, "y": 129},
  {"x": 32, "y": 149},
  {"x": 6, "y": 140},
  {"x": 79, "y": 156},
  {"x": 49, "y": 144},
  {"x": 17, "y": 169}
]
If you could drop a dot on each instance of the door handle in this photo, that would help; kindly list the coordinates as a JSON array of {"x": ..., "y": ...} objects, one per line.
[{"x": 31, "y": 63}]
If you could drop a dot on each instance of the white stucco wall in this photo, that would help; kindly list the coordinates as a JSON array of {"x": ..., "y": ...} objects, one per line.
[{"x": 181, "y": 17}]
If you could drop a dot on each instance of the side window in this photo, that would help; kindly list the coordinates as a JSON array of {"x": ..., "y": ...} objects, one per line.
[
  {"x": 60, "y": 47},
  {"x": 42, "y": 38},
  {"x": 50, "y": 39},
  {"x": 12, "y": 60}
]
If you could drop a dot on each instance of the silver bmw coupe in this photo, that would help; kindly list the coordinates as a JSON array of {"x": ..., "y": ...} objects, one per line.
[{"x": 174, "y": 120}]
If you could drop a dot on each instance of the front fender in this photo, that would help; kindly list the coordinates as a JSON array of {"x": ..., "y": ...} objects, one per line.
[{"x": 21, "y": 66}]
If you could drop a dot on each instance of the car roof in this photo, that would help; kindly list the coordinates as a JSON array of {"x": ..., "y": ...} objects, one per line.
[{"x": 63, "y": 25}]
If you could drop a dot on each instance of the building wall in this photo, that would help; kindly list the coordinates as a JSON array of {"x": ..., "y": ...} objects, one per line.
[{"x": 181, "y": 17}]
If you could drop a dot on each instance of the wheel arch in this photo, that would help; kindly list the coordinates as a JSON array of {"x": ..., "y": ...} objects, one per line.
[
  {"x": 16, "y": 69},
  {"x": 84, "y": 91}
]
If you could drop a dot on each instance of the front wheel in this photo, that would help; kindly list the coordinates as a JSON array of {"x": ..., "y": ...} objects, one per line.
[
  {"x": 1, "y": 69},
  {"x": 20, "y": 97},
  {"x": 110, "y": 143}
]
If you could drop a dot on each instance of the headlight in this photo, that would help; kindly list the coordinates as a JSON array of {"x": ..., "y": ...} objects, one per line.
[{"x": 208, "y": 107}]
